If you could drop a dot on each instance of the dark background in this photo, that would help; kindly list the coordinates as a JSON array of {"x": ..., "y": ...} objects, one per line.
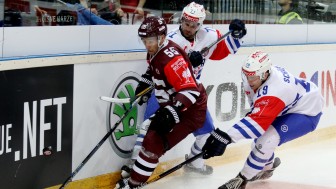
[{"x": 28, "y": 85}]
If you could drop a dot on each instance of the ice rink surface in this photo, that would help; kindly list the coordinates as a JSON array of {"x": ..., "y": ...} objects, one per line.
[{"x": 306, "y": 166}]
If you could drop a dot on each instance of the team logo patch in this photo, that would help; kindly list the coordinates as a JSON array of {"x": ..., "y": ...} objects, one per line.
[
  {"x": 143, "y": 26},
  {"x": 186, "y": 75},
  {"x": 284, "y": 128}
]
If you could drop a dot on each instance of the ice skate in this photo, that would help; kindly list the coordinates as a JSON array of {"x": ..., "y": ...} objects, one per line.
[
  {"x": 125, "y": 171},
  {"x": 124, "y": 184},
  {"x": 266, "y": 174},
  {"x": 205, "y": 170},
  {"x": 238, "y": 182},
  {"x": 127, "y": 168}
]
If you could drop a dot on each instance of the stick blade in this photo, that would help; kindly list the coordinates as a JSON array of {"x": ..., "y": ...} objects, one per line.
[{"x": 115, "y": 100}]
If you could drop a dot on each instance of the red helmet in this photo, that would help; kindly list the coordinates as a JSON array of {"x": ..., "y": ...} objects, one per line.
[{"x": 152, "y": 26}]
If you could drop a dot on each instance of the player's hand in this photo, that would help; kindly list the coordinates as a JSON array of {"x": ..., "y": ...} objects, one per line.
[
  {"x": 216, "y": 144},
  {"x": 196, "y": 58},
  {"x": 119, "y": 12},
  {"x": 237, "y": 28},
  {"x": 144, "y": 83},
  {"x": 140, "y": 11},
  {"x": 164, "y": 119}
]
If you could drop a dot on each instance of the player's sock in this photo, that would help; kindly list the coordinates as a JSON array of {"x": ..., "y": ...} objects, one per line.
[{"x": 266, "y": 174}]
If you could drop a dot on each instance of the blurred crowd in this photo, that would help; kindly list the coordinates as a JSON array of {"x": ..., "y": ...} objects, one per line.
[{"x": 116, "y": 12}]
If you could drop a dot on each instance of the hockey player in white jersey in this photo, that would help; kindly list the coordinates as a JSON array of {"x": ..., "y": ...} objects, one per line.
[
  {"x": 283, "y": 108},
  {"x": 192, "y": 37}
]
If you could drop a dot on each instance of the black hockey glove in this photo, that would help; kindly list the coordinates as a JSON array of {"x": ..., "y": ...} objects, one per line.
[
  {"x": 237, "y": 28},
  {"x": 196, "y": 58},
  {"x": 216, "y": 144},
  {"x": 164, "y": 119},
  {"x": 144, "y": 83}
]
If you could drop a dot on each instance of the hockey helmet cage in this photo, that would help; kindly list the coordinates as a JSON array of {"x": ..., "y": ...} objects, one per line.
[
  {"x": 152, "y": 26},
  {"x": 257, "y": 64},
  {"x": 194, "y": 12}
]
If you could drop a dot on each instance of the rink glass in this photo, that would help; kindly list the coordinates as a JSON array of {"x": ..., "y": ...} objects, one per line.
[{"x": 65, "y": 12}]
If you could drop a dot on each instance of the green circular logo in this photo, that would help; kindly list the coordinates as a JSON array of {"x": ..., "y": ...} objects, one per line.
[{"x": 124, "y": 136}]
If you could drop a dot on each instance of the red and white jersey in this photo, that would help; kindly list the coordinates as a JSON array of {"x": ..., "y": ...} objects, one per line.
[
  {"x": 172, "y": 75},
  {"x": 204, "y": 37},
  {"x": 280, "y": 94}
]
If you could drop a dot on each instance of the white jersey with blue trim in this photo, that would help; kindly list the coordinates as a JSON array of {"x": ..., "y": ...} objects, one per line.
[
  {"x": 280, "y": 94},
  {"x": 204, "y": 37}
]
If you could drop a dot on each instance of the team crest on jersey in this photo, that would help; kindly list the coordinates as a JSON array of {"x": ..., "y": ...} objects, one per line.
[
  {"x": 179, "y": 63},
  {"x": 186, "y": 75},
  {"x": 262, "y": 103},
  {"x": 181, "y": 69},
  {"x": 125, "y": 133}
]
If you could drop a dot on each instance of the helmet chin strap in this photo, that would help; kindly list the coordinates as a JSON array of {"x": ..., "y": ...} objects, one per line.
[
  {"x": 263, "y": 79},
  {"x": 159, "y": 42}
]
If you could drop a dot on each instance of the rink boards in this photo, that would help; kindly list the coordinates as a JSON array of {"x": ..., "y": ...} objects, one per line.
[{"x": 58, "y": 105}]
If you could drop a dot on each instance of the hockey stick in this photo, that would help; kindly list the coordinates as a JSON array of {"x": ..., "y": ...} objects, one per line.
[
  {"x": 80, "y": 166},
  {"x": 177, "y": 167},
  {"x": 115, "y": 100},
  {"x": 205, "y": 49},
  {"x": 126, "y": 100}
]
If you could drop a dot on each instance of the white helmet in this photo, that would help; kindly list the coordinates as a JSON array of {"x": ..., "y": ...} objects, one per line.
[
  {"x": 194, "y": 12},
  {"x": 257, "y": 64}
]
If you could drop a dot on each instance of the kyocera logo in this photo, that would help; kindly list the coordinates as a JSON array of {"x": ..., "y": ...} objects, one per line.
[
  {"x": 124, "y": 136},
  {"x": 326, "y": 81}
]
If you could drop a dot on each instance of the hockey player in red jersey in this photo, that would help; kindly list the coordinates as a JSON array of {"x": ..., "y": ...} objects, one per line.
[
  {"x": 182, "y": 99},
  {"x": 192, "y": 36},
  {"x": 283, "y": 108}
]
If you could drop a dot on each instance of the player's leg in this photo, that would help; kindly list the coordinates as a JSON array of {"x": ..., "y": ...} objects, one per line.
[
  {"x": 293, "y": 126},
  {"x": 282, "y": 125},
  {"x": 155, "y": 145},
  {"x": 262, "y": 153},
  {"x": 152, "y": 106},
  {"x": 284, "y": 129},
  {"x": 269, "y": 167},
  {"x": 199, "y": 166},
  {"x": 259, "y": 156}
]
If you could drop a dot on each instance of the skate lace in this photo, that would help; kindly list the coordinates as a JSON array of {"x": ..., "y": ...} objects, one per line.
[{"x": 234, "y": 184}]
